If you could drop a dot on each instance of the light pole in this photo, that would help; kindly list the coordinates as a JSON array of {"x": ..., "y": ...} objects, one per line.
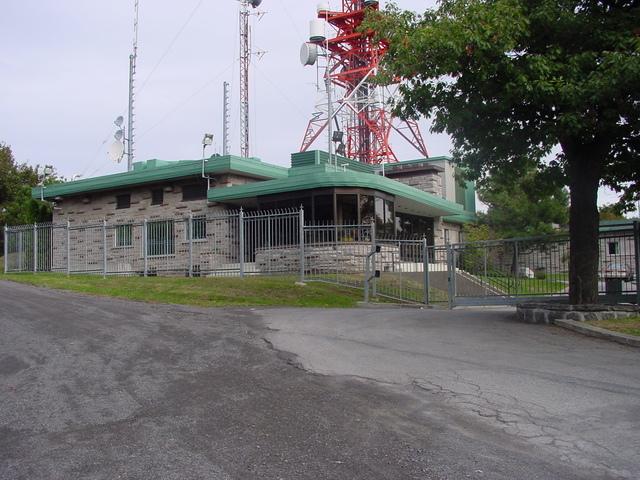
[{"x": 206, "y": 141}]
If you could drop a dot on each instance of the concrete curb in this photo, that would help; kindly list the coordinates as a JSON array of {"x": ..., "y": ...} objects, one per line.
[
  {"x": 598, "y": 332},
  {"x": 384, "y": 306}
]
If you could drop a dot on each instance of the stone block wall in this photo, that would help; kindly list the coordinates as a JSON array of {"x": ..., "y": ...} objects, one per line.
[
  {"x": 98, "y": 206},
  {"x": 547, "y": 313},
  {"x": 343, "y": 258},
  {"x": 429, "y": 181}
]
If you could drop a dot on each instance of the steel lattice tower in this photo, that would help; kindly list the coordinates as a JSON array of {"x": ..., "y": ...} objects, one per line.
[
  {"x": 245, "y": 54},
  {"x": 359, "y": 107},
  {"x": 245, "y": 58}
]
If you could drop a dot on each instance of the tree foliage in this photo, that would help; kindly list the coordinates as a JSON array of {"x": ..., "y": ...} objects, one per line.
[
  {"x": 611, "y": 212},
  {"x": 16, "y": 180},
  {"x": 519, "y": 209},
  {"x": 510, "y": 80}
]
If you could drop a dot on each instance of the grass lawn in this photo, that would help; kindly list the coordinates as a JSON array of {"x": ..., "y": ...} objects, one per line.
[
  {"x": 630, "y": 326},
  {"x": 526, "y": 286},
  {"x": 203, "y": 291}
]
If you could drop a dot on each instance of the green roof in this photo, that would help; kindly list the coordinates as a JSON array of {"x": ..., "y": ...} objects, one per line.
[
  {"x": 313, "y": 169},
  {"x": 153, "y": 171},
  {"x": 408, "y": 199},
  {"x": 309, "y": 170},
  {"x": 626, "y": 224}
]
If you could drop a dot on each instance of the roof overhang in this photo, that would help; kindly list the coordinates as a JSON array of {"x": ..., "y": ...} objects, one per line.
[
  {"x": 154, "y": 171},
  {"x": 408, "y": 199}
]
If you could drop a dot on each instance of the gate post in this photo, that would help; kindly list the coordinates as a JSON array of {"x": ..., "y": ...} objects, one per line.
[
  {"x": 6, "y": 248},
  {"x": 516, "y": 260},
  {"x": 425, "y": 259},
  {"x": 145, "y": 247},
  {"x": 451, "y": 274},
  {"x": 104, "y": 249},
  {"x": 301, "y": 241},
  {"x": 35, "y": 248},
  {"x": 374, "y": 287},
  {"x": 241, "y": 259},
  {"x": 68, "y": 248},
  {"x": 636, "y": 242},
  {"x": 190, "y": 230}
]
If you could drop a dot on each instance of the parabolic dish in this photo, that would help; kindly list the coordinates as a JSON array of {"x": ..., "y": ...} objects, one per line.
[
  {"x": 308, "y": 53},
  {"x": 116, "y": 151}
]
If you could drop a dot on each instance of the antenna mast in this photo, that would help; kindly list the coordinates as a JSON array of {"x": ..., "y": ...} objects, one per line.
[
  {"x": 351, "y": 60},
  {"x": 225, "y": 119},
  {"x": 245, "y": 52},
  {"x": 132, "y": 71},
  {"x": 245, "y": 55}
]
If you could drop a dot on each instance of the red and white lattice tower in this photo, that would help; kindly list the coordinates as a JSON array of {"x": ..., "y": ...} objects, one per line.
[{"x": 357, "y": 107}]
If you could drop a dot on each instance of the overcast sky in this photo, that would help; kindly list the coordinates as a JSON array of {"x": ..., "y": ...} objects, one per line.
[{"x": 65, "y": 68}]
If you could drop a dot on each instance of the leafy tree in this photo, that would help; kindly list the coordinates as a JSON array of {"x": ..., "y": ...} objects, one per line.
[
  {"x": 509, "y": 80},
  {"x": 520, "y": 209},
  {"x": 611, "y": 212},
  {"x": 16, "y": 205}
]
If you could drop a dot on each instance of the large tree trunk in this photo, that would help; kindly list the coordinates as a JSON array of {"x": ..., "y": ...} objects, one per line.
[{"x": 584, "y": 171}]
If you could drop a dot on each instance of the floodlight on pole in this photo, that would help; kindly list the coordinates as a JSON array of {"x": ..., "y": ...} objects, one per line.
[{"x": 207, "y": 141}]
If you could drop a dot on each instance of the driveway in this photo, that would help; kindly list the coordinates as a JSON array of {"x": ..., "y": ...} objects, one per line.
[
  {"x": 98, "y": 388},
  {"x": 565, "y": 395}
]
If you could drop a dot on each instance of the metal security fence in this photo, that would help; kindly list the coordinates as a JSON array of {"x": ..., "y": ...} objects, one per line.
[
  {"x": 337, "y": 253},
  {"x": 282, "y": 243},
  {"x": 235, "y": 243},
  {"x": 508, "y": 271}
]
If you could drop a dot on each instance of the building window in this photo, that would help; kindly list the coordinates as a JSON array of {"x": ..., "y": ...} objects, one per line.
[
  {"x": 124, "y": 235},
  {"x": 194, "y": 191},
  {"x": 160, "y": 239},
  {"x": 613, "y": 248},
  {"x": 198, "y": 230},
  {"x": 157, "y": 196},
  {"x": 123, "y": 201}
]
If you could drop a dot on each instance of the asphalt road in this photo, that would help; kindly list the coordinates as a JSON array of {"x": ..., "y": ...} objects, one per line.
[
  {"x": 97, "y": 388},
  {"x": 569, "y": 396}
]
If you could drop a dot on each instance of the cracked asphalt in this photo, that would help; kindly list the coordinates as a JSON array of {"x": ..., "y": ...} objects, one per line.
[
  {"x": 99, "y": 388},
  {"x": 568, "y": 396}
]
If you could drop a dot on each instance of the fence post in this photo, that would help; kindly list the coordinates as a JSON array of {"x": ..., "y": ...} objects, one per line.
[
  {"x": 21, "y": 251},
  {"x": 68, "y": 248},
  {"x": 301, "y": 223},
  {"x": 425, "y": 258},
  {"x": 374, "y": 286},
  {"x": 516, "y": 261},
  {"x": 636, "y": 242},
  {"x": 241, "y": 231},
  {"x": 104, "y": 249},
  {"x": 35, "y": 248},
  {"x": 190, "y": 231},
  {"x": 451, "y": 273},
  {"x": 145, "y": 250},
  {"x": 6, "y": 248}
]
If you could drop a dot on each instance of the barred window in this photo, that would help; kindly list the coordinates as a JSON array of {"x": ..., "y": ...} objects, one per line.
[
  {"x": 160, "y": 239},
  {"x": 123, "y": 201},
  {"x": 157, "y": 196},
  {"x": 198, "y": 229},
  {"x": 195, "y": 191},
  {"x": 124, "y": 235}
]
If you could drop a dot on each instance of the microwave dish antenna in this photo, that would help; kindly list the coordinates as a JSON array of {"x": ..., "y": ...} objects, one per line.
[{"x": 350, "y": 99}]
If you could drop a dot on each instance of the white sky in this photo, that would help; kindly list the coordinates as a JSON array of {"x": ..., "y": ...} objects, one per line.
[{"x": 65, "y": 68}]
